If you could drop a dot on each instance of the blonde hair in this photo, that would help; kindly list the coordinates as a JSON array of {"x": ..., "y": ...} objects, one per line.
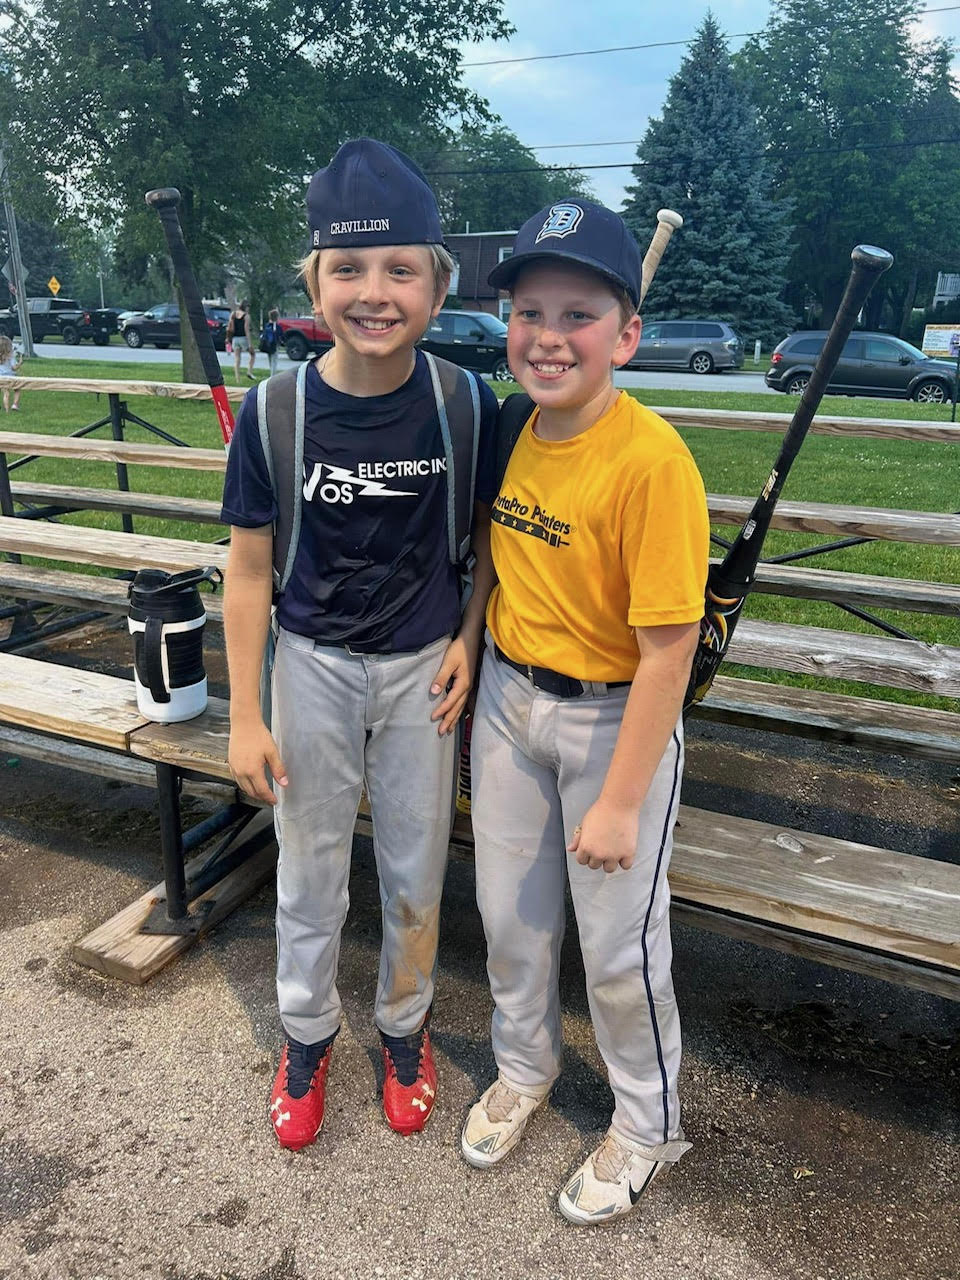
[
  {"x": 6, "y": 347},
  {"x": 440, "y": 256}
]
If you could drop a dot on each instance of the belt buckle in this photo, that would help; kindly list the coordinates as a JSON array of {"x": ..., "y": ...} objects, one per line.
[
  {"x": 352, "y": 652},
  {"x": 530, "y": 675}
]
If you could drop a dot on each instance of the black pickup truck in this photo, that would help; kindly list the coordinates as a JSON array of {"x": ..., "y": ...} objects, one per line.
[{"x": 61, "y": 317}]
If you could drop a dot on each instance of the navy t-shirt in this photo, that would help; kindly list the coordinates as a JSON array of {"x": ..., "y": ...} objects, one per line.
[{"x": 372, "y": 567}]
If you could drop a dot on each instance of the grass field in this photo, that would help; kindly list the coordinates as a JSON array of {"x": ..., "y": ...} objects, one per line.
[{"x": 865, "y": 472}]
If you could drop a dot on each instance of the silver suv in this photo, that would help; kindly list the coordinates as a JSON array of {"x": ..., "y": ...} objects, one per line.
[
  {"x": 871, "y": 364},
  {"x": 705, "y": 346}
]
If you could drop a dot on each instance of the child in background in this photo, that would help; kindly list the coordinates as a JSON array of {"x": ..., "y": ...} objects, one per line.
[
  {"x": 10, "y": 361},
  {"x": 600, "y": 540}
]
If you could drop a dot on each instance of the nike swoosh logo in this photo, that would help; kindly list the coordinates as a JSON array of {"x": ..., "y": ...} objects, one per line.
[{"x": 635, "y": 1195}]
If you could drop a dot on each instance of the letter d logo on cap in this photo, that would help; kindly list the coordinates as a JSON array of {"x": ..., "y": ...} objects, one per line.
[{"x": 562, "y": 220}]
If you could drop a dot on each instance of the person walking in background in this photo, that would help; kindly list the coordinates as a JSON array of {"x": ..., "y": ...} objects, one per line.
[
  {"x": 238, "y": 334},
  {"x": 10, "y": 361},
  {"x": 270, "y": 338}
]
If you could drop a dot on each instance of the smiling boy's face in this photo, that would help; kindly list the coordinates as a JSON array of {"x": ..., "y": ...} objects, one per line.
[
  {"x": 566, "y": 334},
  {"x": 377, "y": 300}
]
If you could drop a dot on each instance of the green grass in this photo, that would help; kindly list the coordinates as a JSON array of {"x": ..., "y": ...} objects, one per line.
[{"x": 906, "y": 474}]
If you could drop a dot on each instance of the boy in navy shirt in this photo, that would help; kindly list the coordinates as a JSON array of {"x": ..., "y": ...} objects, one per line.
[{"x": 373, "y": 661}]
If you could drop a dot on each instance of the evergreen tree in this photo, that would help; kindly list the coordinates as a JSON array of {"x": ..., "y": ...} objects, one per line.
[
  {"x": 853, "y": 106},
  {"x": 703, "y": 158}
]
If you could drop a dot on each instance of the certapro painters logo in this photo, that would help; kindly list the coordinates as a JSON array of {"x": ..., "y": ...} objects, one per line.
[
  {"x": 562, "y": 220},
  {"x": 339, "y": 484},
  {"x": 514, "y": 514}
]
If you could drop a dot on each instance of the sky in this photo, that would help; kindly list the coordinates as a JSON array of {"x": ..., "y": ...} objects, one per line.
[{"x": 608, "y": 97}]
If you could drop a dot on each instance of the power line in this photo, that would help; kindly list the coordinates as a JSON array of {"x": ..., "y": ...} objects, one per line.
[
  {"x": 647, "y": 164},
  {"x": 655, "y": 44}
]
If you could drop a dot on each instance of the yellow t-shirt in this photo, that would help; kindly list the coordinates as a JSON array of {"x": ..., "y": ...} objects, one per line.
[{"x": 594, "y": 536}]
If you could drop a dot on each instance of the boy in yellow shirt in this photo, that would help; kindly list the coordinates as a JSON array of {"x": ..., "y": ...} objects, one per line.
[{"x": 600, "y": 540}]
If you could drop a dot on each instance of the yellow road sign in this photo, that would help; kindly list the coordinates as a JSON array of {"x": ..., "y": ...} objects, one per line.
[{"x": 53, "y": 284}]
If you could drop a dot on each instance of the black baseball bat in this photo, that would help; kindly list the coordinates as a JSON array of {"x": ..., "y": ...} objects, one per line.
[
  {"x": 166, "y": 200},
  {"x": 729, "y": 583}
]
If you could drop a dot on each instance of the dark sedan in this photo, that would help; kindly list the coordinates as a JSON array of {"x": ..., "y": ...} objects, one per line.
[{"x": 161, "y": 326}]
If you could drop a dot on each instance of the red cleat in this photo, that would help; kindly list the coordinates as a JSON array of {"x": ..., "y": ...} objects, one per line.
[
  {"x": 410, "y": 1081},
  {"x": 298, "y": 1120}
]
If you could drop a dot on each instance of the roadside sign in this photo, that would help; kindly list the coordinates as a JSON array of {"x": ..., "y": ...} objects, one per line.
[
  {"x": 53, "y": 284},
  {"x": 942, "y": 340}
]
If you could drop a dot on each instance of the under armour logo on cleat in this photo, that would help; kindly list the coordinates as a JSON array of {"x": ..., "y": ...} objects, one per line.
[
  {"x": 279, "y": 1118},
  {"x": 426, "y": 1093}
]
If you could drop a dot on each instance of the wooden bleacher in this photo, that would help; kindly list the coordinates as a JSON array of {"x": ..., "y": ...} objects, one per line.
[{"x": 876, "y": 911}]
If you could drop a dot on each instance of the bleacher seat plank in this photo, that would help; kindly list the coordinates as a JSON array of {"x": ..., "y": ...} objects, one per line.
[
  {"x": 61, "y": 586},
  {"x": 867, "y": 591},
  {"x": 866, "y": 722},
  {"x": 929, "y": 527},
  {"x": 90, "y": 450},
  {"x": 889, "y": 902},
  {"x": 848, "y": 655},
  {"x": 117, "y": 386},
  {"x": 199, "y": 744},
  {"x": 75, "y": 497},
  {"x": 83, "y": 705},
  {"x": 823, "y": 424},
  {"x": 107, "y": 547}
]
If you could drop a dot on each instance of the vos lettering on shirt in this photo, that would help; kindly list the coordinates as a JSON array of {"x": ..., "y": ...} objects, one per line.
[{"x": 330, "y": 483}]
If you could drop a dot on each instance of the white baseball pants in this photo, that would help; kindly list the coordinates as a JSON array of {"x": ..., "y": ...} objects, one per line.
[
  {"x": 538, "y": 763},
  {"x": 340, "y": 720}
]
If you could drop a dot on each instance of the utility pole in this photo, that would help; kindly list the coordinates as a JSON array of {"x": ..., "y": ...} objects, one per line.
[{"x": 16, "y": 263}]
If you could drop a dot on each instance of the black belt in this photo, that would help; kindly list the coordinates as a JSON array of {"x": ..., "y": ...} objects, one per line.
[{"x": 552, "y": 681}]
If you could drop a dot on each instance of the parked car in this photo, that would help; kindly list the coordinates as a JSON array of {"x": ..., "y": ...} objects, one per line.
[
  {"x": 871, "y": 364},
  {"x": 161, "y": 326},
  {"x": 303, "y": 334},
  {"x": 50, "y": 317},
  {"x": 705, "y": 346},
  {"x": 471, "y": 339}
]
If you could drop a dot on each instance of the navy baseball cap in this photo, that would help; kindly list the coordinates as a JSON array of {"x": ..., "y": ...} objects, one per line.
[
  {"x": 578, "y": 231},
  {"x": 370, "y": 194}
]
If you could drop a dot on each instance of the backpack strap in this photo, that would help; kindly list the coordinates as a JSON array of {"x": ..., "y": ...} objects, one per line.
[
  {"x": 458, "y": 408},
  {"x": 514, "y": 412},
  {"x": 281, "y": 400}
]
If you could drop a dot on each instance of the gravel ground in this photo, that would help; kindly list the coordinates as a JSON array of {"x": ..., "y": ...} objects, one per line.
[{"x": 134, "y": 1139}]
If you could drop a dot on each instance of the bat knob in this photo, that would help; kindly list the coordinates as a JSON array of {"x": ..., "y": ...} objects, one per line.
[
  {"x": 672, "y": 219},
  {"x": 870, "y": 258},
  {"x": 163, "y": 197}
]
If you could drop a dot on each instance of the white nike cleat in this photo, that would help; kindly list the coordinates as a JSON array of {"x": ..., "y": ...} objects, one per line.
[
  {"x": 611, "y": 1181},
  {"x": 495, "y": 1124}
]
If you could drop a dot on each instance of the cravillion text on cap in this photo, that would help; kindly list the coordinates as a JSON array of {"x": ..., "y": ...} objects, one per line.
[{"x": 371, "y": 194}]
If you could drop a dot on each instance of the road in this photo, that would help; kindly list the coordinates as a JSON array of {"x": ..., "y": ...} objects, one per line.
[{"x": 667, "y": 381}]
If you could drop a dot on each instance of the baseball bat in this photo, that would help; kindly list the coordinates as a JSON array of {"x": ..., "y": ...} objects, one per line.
[
  {"x": 667, "y": 223},
  {"x": 729, "y": 583},
  {"x": 166, "y": 201}
]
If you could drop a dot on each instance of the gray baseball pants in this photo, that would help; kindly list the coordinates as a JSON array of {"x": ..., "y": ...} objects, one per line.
[
  {"x": 340, "y": 720},
  {"x": 538, "y": 763}
]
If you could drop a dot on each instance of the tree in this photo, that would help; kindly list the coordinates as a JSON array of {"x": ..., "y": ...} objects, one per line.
[
  {"x": 850, "y": 105},
  {"x": 510, "y": 185},
  {"x": 703, "y": 158},
  {"x": 43, "y": 255},
  {"x": 233, "y": 106}
]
